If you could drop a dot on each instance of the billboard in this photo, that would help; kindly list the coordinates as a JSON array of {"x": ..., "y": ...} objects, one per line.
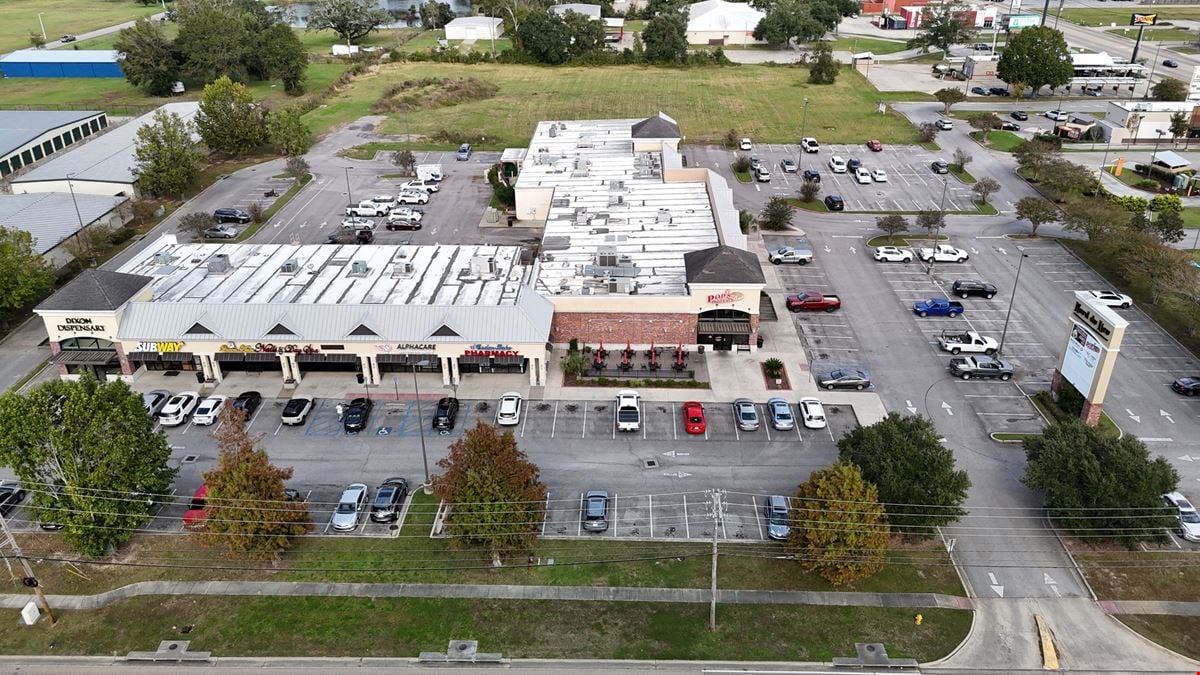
[
  {"x": 1019, "y": 21},
  {"x": 1143, "y": 19},
  {"x": 1081, "y": 360}
]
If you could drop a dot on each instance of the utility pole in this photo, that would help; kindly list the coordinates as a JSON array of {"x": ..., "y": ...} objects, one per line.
[
  {"x": 8, "y": 541},
  {"x": 717, "y": 512}
]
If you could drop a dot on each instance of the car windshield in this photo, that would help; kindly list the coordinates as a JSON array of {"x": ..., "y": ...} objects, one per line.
[
  {"x": 1189, "y": 517},
  {"x": 346, "y": 507},
  {"x": 777, "y": 518},
  {"x": 384, "y": 495},
  {"x": 747, "y": 413},
  {"x": 782, "y": 411}
]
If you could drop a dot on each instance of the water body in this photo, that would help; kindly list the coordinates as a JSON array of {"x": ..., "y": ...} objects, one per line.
[{"x": 296, "y": 14}]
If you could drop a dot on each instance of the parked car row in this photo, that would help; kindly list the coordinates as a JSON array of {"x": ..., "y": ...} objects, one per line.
[{"x": 172, "y": 410}]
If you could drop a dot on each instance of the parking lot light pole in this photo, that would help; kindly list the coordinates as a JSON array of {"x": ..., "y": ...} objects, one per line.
[
  {"x": 803, "y": 123},
  {"x": 1012, "y": 298},
  {"x": 420, "y": 421},
  {"x": 1150, "y": 164},
  {"x": 1100, "y": 173},
  {"x": 349, "y": 197},
  {"x": 42, "y": 25},
  {"x": 937, "y": 233},
  {"x": 79, "y": 235}
]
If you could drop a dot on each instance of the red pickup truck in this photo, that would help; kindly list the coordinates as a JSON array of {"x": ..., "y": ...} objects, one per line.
[{"x": 811, "y": 301}]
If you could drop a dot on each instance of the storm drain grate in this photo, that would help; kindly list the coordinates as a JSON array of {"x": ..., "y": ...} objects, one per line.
[
  {"x": 649, "y": 463},
  {"x": 190, "y": 459}
]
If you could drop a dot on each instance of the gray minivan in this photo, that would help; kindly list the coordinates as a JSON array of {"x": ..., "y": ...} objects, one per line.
[
  {"x": 776, "y": 510},
  {"x": 464, "y": 152}
]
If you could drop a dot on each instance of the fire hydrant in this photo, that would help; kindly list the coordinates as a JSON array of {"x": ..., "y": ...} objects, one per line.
[{"x": 918, "y": 619}]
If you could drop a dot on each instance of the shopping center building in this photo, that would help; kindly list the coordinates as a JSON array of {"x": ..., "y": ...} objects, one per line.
[{"x": 637, "y": 248}]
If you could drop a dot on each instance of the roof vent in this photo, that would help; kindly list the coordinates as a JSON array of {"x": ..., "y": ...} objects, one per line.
[
  {"x": 581, "y": 216},
  {"x": 553, "y": 131},
  {"x": 162, "y": 258},
  {"x": 664, "y": 217},
  {"x": 289, "y": 267},
  {"x": 219, "y": 264},
  {"x": 358, "y": 268}
]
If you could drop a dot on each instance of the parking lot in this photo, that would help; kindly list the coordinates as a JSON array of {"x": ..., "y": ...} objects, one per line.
[
  {"x": 829, "y": 339},
  {"x": 911, "y": 184}
]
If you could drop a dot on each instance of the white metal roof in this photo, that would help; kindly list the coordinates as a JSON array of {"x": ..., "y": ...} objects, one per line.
[
  {"x": 19, "y": 127},
  {"x": 60, "y": 56},
  {"x": 718, "y": 15},
  {"x": 50, "y": 216},
  {"x": 105, "y": 158},
  {"x": 476, "y": 21},
  {"x": 591, "y": 11}
]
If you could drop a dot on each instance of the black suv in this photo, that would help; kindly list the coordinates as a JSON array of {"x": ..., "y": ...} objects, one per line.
[
  {"x": 231, "y": 216},
  {"x": 813, "y": 175},
  {"x": 388, "y": 498},
  {"x": 1019, "y": 115},
  {"x": 248, "y": 402},
  {"x": 968, "y": 287},
  {"x": 835, "y": 203},
  {"x": 447, "y": 412},
  {"x": 356, "y": 415}
]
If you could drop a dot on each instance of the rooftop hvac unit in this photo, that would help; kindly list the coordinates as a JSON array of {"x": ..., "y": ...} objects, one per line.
[
  {"x": 358, "y": 268},
  {"x": 616, "y": 186},
  {"x": 553, "y": 131},
  {"x": 289, "y": 267},
  {"x": 664, "y": 217},
  {"x": 162, "y": 258},
  {"x": 616, "y": 200},
  {"x": 624, "y": 260},
  {"x": 219, "y": 264},
  {"x": 402, "y": 269},
  {"x": 623, "y": 286},
  {"x": 581, "y": 216},
  {"x": 598, "y": 230},
  {"x": 483, "y": 266}
]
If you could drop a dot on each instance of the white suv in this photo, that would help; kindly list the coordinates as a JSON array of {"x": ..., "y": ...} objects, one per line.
[
  {"x": 837, "y": 164},
  {"x": 420, "y": 186},
  {"x": 809, "y": 144},
  {"x": 413, "y": 197}
]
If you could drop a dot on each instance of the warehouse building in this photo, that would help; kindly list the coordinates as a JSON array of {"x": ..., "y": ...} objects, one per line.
[
  {"x": 716, "y": 22},
  {"x": 61, "y": 63},
  {"x": 102, "y": 166},
  {"x": 53, "y": 218},
  {"x": 28, "y": 136},
  {"x": 474, "y": 28}
]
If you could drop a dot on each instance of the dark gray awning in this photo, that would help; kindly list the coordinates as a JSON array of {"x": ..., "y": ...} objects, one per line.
[
  {"x": 479, "y": 360},
  {"x": 230, "y": 357},
  {"x": 142, "y": 356},
  {"x": 177, "y": 356},
  {"x": 734, "y": 327},
  {"x": 262, "y": 357},
  {"x": 85, "y": 356},
  {"x": 509, "y": 360}
]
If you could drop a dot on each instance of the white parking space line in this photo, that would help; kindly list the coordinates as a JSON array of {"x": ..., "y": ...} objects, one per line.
[
  {"x": 579, "y": 520},
  {"x": 757, "y": 516},
  {"x": 651, "y": 498},
  {"x": 554, "y": 420},
  {"x": 615, "y": 515},
  {"x": 687, "y": 527}
]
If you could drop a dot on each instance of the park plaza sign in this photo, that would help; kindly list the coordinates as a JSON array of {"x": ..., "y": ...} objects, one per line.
[{"x": 80, "y": 325}]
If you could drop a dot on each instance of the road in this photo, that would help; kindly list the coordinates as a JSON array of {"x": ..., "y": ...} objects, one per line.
[{"x": 55, "y": 44}]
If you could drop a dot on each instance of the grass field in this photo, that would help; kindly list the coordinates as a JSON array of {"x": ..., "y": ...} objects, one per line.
[
  {"x": 1158, "y": 34},
  {"x": 19, "y": 17},
  {"x": 759, "y": 101},
  {"x": 1191, "y": 218},
  {"x": 1180, "y": 634},
  {"x": 284, "y": 626},
  {"x": 857, "y": 45},
  {"x": 1094, "y": 16},
  {"x": 1119, "y": 574},
  {"x": 1002, "y": 141}
]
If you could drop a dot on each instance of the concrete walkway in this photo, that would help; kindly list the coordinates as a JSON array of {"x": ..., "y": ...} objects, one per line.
[
  {"x": 1171, "y": 607},
  {"x": 494, "y": 592}
]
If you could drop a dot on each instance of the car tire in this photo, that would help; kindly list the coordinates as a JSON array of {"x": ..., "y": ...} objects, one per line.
[
  {"x": 803, "y": 261},
  {"x": 989, "y": 352},
  {"x": 952, "y": 314},
  {"x": 922, "y": 314},
  {"x": 1006, "y": 377},
  {"x": 989, "y": 296},
  {"x": 860, "y": 387},
  {"x": 829, "y": 310},
  {"x": 906, "y": 260},
  {"x": 963, "y": 295},
  {"x": 775, "y": 262},
  {"x": 794, "y": 310},
  {"x": 965, "y": 376},
  {"x": 956, "y": 351},
  {"x": 1125, "y": 306},
  {"x": 829, "y": 387}
]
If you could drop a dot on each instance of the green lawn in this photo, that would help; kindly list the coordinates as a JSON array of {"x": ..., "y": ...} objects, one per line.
[
  {"x": 1093, "y": 16},
  {"x": 1002, "y": 141},
  {"x": 635, "y": 26},
  {"x": 1120, "y": 574},
  {"x": 404, "y": 627},
  {"x": 857, "y": 45},
  {"x": 19, "y": 17},
  {"x": 1158, "y": 34},
  {"x": 762, "y": 102},
  {"x": 962, "y": 174},
  {"x": 1180, "y": 634},
  {"x": 1191, "y": 217}
]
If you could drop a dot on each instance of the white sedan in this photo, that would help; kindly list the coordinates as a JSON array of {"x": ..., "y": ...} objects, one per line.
[
  {"x": 893, "y": 254},
  {"x": 1111, "y": 298},
  {"x": 879, "y": 176},
  {"x": 812, "y": 412},
  {"x": 176, "y": 411},
  {"x": 209, "y": 410},
  {"x": 862, "y": 176},
  {"x": 358, "y": 224}
]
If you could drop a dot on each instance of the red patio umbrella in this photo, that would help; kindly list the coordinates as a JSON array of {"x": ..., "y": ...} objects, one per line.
[
  {"x": 679, "y": 354},
  {"x": 653, "y": 356}
]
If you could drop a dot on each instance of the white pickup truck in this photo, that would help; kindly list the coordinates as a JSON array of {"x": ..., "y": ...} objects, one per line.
[
  {"x": 942, "y": 253},
  {"x": 367, "y": 208},
  {"x": 969, "y": 342},
  {"x": 788, "y": 254}
]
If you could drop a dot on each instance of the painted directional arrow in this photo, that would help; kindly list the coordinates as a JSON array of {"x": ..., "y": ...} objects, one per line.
[
  {"x": 974, "y": 251},
  {"x": 1049, "y": 580},
  {"x": 1002, "y": 250},
  {"x": 852, "y": 250},
  {"x": 827, "y": 249},
  {"x": 677, "y": 474},
  {"x": 912, "y": 409},
  {"x": 1167, "y": 415},
  {"x": 1187, "y": 458},
  {"x": 947, "y": 408},
  {"x": 1135, "y": 418},
  {"x": 996, "y": 587},
  {"x": 676, "y": 453}
]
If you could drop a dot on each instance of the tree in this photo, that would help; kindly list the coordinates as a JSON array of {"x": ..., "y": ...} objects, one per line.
[
  {"x": 1034, "y": 158},
  {"x": 948, "y": 96},
  {"x": 1169, "y": 89},
  {"x": 665, "y": 38},
  {"x": 809, "y": 190},
  {"x": 984, "y": 122},
  {"x": 350, "y": 19},
  {"x": 892, "y": 224},
  {"x": 435, "y": 14},
  {"x": 405, "y": 161},
  {"x": 931, "y": 221},
  {"x": 985, "y": 188},
  {"x": 288, "y": 133},
  {"x": 95, "y": 442},
  {"x": 84, "y": 244},
  {"x": 248, "y": 512},
  {"x": 213, "y": 42},
  {"x": 942, "y": 26},
  {"x": 411, "y": 17},
  {"x": 195, "y": 224},
  {"x": 148, "y": 59},
  {"x": 296, "y": 167},
  {"x": 1180, "y": 125},
  {"x": 1037, "y": 57},
  {"x": 787, "y": 21},
  {"x": 915, "y": 474},
  {"x": 823, "y": 68},
  {"x": 927, "y": 131},
  {"x": 36, "y": 40},
  {"x": 1037, "y": 211},
  {"x": 228, "y": 119},
  {"x": 776, "y": 215},
  {"x": 1168, "y": 227},
  {"x": 838, "y": 527},
  {"x": 1068, "y": 177},
  {"x": 283, "y": 56},
  {"x": 1094, "y": 217},
  {"x": 584, "y": 34},
  {"x": 1097, "y": 485},
  {"x": 962, "y": 158},
  {"x": 495, "y": 497},
  {"x": 1162, "y": 269},
  {"x": 24, "y": 275},
  {"x": 165, "y": 159},
  {"x": 544, "y": 37}
]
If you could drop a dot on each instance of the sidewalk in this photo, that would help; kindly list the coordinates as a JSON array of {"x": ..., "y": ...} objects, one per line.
[
  {"x": 1171, "y": 607},
  {"x": 494, "y": 592}
]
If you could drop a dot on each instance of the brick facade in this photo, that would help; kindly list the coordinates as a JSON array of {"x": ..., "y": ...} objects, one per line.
[{"x": 617, "y": 328}]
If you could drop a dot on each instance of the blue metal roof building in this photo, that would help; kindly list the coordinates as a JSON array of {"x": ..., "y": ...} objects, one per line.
[{"x": 61, "y": 63}]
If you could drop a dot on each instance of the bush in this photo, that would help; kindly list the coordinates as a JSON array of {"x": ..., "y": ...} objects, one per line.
[
  {"x": 256, "y": 211},
  {"x": 1147, "y": 184},
  {"x": 121, "y": 235},
  {"x": 773, "y": 368},
  {"x": 740, "y": 164},
  {"x": 1166, "y": 203},
  {"x": 745, "y": 221},
  {"x": 809, "y": 190},
  {"x": 732, "y": 138}
]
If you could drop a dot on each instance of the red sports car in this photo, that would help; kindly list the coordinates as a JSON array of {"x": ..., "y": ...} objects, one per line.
[
  {"x": 693, "y": 418},
  {"x": 874, "y": 145}
]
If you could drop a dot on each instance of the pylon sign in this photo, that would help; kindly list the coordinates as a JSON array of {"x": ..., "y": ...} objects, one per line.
[{"x": 1094, "y": 337}]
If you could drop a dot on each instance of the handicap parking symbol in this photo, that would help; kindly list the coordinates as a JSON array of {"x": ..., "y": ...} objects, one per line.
[{"x": 384, "y": 431}]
